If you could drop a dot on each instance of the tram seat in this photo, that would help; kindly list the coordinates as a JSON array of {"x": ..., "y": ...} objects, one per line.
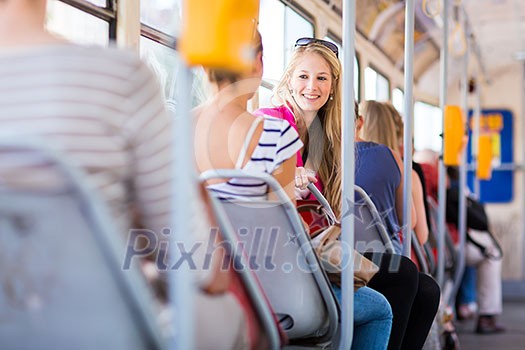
[
  {"x": 451, "y": 254},
  {"x": 418, "y": 254},
  {"x": 370, "y": 231},
  {"x": 62, "y": 285},
  {"x": 432, "y": 265},
  {"x": 281, "y": 255}
]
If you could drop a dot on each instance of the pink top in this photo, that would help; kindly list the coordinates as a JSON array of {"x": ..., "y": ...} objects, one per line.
[{"x": 284, "y": 112}]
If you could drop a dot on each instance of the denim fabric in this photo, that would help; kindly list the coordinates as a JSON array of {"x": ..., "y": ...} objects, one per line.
[
  {"x": 467, "y": 289},
  {"x": 372, "y": 319}
]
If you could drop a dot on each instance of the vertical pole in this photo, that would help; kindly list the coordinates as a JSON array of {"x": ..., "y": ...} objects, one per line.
[
  {"x": 462, "y": 193},
  {"x": 181, "y": 287},
  {"x": 522, "y": 119},
  {"x": 128, "y": 24},
  {"x": 442, "y": 192},
  {"x": 408, "y": 126},
  {"x": 348, "y": 180},
  {"x": 475, "y": 134}
]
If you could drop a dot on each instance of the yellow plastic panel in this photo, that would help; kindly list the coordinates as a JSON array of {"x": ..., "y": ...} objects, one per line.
[
  {"x": 454, "y": 136},
  {"x": 484, "y": 170},
  {"x": 219, "y": 33}
]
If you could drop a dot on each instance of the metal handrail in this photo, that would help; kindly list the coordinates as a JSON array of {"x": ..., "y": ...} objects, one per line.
[{"x": 297, "y": 224}]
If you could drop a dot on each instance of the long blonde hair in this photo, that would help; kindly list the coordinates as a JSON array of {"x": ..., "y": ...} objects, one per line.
[
  {"x": 325, "y": 152},
  {"x": 379, "y": 125},
  {"x": 398, "y": 121}
]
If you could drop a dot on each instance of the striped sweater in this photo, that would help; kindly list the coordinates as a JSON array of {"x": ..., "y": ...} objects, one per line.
[
  {"x": 278, "y": 142},
  {"x": 102, "y": 108}
]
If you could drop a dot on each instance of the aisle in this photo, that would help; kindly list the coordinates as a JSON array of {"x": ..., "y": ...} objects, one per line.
[{"x": 514, "y": 339}]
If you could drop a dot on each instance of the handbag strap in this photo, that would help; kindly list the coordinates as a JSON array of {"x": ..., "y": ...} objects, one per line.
[{"x": 326, "y": 206}]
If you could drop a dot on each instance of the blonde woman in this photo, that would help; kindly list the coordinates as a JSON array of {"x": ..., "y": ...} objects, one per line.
[
  {"x": 310, "y": 100},
  {"x": 310, "y": 97}
]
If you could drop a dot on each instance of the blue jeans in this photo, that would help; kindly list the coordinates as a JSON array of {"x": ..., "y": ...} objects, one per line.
[
  {"x": 372, "y": 319},
  {"x": 467, "y": 288}
]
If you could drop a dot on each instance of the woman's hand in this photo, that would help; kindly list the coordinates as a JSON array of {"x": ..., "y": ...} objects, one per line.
[{"x": 303, "y": 177}]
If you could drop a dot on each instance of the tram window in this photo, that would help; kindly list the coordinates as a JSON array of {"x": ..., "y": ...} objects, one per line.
[
  {"x": 165, "y": 63},
  {"x": 280, "y": 27},
  {"x": 162, "y": 15},
  {"x": 265, "y": 96},
  {"x": 376, "y": 86},
  {"x": 295, "y": 26},
  {"x": 99, "y": 3},
  {"x": 427, "y": 127},
  {"x": 76, "y": 25},
  {"x": 356, "y": 64},
  {"x": 398, "y": 100}
]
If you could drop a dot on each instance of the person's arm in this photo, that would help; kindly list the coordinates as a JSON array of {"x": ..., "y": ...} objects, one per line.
[
  {"x": 421, "y": 228},
  {"x": 285, "y": 175},
  {"x": 220, "y": 279}
]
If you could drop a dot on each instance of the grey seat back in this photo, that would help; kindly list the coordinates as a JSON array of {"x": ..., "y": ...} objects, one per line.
[
  {"x": 281, "y": 255},
  {"x": 419, "y": 253},
  {"x": 62, "y": 285},
  {"x": 451, "y": 254},
  {"x": 370, "y": 231}
]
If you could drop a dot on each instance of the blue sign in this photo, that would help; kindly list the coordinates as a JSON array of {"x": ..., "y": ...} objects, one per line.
[{"x": 499, "y": 189}]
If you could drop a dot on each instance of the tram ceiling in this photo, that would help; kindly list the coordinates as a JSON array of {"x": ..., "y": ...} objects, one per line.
[
  {"x": 498, "y": 27},
  {"x": 382, "y": 23}
]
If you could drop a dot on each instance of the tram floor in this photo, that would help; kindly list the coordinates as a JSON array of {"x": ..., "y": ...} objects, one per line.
[{"x": 513, "y": 318}]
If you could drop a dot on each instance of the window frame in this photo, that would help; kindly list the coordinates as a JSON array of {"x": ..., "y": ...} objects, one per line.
[
  {"x": 337, "y": 39},
  {"x": 108, "y": 13},
  {"x": 301, "y": 12},
  {"x": 157, "y": 35}
]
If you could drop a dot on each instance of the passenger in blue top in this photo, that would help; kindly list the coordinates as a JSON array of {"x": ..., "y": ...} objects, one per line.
[
  {"x": 378, "y": 173},
  {"x": 414, "y": 301},
  {"x": 379, "y": 169}
]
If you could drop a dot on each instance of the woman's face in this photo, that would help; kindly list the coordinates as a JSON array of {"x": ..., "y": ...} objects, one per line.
[{"x": 311, "y": 82}]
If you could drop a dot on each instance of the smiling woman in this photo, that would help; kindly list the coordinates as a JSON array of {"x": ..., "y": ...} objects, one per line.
[
  {"x": 311, "y": 86},
  {"x": 310, "y": 97}
]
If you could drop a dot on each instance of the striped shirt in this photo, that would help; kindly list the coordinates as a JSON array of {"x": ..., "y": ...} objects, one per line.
[
  {"x": 103, "y": 108},
  {"x": 277, "y": 143}
]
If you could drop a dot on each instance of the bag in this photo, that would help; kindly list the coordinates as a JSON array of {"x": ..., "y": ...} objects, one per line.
[
  {"x": 325, "y": 230},
  {"x": 476, "y": 216},
  {"x": 314, "y": 215},
  {"x": 491, "y": 249},
  {"x": 329, "y": 250}
]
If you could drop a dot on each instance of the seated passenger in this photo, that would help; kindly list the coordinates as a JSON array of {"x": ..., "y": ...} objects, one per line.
[
  {"x": 488, "y": 267},
  {"x": 310, "y": 92},
  {"x": 227, "y": 136},
  {"x": 379, "y": 172},
  {"x": 382, "y": 124},
  {"x": 103, "y": 108},
  {"x": 482, "y": 252}
]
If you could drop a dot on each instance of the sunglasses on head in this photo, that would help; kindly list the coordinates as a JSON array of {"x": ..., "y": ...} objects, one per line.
[{"x": 327, "y": 44}]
